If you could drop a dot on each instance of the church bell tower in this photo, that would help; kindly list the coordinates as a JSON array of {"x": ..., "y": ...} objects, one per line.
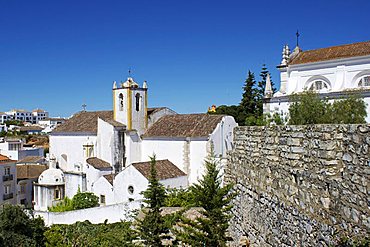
[{"x": 130, "y": 104}]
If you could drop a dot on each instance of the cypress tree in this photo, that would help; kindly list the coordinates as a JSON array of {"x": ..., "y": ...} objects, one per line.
[
  {"x": 248, "y": 102},
  {"x": 152, "y": 228}
]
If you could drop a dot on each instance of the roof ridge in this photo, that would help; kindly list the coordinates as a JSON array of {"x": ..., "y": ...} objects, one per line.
[{"x": 335, "y": 46}]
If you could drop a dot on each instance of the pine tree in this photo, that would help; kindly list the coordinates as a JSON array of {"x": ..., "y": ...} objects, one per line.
[
  {"x": 152, "y": 228},
  {"x": 210, "y": 228},
  {"x": 248, "y": 102}
]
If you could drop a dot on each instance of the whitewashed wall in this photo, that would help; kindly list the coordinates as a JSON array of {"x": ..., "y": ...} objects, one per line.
[
  {"x": 111, "y": 213},
  {"x": 164, "y": 149},
  {"x": 103, "y": 187},
  {"x": 105, "y": 141},
  {"x": 129, "y": 177},
  {"x": 72, "y": 146},
  {"x": 133, "y": 145}
]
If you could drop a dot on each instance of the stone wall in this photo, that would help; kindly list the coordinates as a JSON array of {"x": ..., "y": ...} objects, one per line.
[{"x": 300, "y": 185}]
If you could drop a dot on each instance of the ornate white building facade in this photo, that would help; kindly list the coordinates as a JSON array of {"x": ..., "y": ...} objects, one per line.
[
  {"x": 99, "y": 151},
  {"x": 333, "y": 72}
]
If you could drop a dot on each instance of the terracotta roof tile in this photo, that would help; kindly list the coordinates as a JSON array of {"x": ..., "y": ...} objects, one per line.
[
  {"x": 331, "y": 53},
  {"x": 30, "y": 171},
  {"x": 165, "y": 169},
  {"x": 32, "y": 159},
  {"x": 110, "y": 178},
  {"x": 83, "y": 122},
  {"x": 98, "y": 163},
  {"x": 4, "y": 160},
  {"x": 184, "y": 125}
]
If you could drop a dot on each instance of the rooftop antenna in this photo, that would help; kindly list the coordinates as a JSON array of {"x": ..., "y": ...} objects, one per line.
[
  {"x": 297, "y": 34},
  {"x": 84, "y": 107}
]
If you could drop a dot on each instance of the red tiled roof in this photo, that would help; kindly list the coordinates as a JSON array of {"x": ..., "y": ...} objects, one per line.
[
  {"x": 165, "y": 169},
  {"x": 109, "y": 177},
  {"x": 98, "y": 163},
  {"x": 184, "y": 125},
  {"x": 83, "y": 122},
  {"x": 331, "y": 53}
]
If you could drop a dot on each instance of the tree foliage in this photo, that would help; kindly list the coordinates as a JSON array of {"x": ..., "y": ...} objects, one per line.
[
  {"x": 178, "y": 198},
  {"x": 83, "y": 234},
  {"x": 19, "y": 229},
  {"x": 152, "y": 229},
  {"x": 308, "y": 108},
  {"x": 209, "y": 229},
  {"x": 79, "y": 201}
]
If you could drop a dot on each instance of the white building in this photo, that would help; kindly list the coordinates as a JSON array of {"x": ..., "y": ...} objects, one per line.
[
  {"x": 8, "y": 180},
  {"x": 94, "y": 150},
  {"x": 23, "y": 115},
  {"x": 14, "y": 149},
  {"x": 135, "y": 179},
  {"x": 333, "y": 72}
]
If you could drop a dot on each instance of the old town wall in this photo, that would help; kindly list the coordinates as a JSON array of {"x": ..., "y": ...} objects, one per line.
[{"x": 300, "y": 185}]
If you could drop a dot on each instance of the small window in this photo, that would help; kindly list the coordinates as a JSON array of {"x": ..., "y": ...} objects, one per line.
[
  {"x": 364, "y": 81},
  {"x": 56, "y": 194},
  {"x": 137, "y": 98},
  {"x": 130, "y": 189},
  {"x": 102, "y": 199},
  {"x": 7, "y": 170},
  {"x": 121, "y": 102}
]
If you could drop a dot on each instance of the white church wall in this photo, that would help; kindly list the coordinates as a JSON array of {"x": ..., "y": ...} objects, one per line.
[
  {"x": 68, "y": 149},
  {"x": 73, "y": 181},
  {"x": 105, "y": 141},
  {"x": 129, "y": 177},
  {"x": 103, "y": 188},
  {"x": 92, "y": 175},
  {"x": 111, "y": 213},
  {"x": 178, "y": 183},
  {"x": 133, "y": 147},
  {"x": 173, "y": 150},
  {"x": 198, "y": 153}
]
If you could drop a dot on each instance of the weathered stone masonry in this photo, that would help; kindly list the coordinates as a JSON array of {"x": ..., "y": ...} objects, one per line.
[{"x": 300, "y": 185}]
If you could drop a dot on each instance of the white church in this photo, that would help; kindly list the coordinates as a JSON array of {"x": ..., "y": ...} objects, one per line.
[
  {"x": 334, "y": 72},
  {"x": 108, "y": 152}
]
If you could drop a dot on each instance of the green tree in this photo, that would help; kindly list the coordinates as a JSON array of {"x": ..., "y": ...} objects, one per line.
[
  {"x": 351, "y": 110},
  {"x": 152, "y": 229},
  {"x": 19, "y": 229},
  {"x": 84, "y": 200},
  {"x": 308, "y": 108},
  {"x": 248, "y": 102},
  {"x": 86, "y": 234},
  {"x": 178, "y": 198},
  {"x": 209, "y": 229}
]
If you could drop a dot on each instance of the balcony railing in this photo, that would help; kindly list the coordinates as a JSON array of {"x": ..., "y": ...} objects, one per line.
[
  {"x": 8, "y": 177},
  {"x": 7, "y": 196}
]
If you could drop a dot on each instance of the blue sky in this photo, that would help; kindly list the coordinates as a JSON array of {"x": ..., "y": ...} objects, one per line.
[{"x": 57, "y": 55}]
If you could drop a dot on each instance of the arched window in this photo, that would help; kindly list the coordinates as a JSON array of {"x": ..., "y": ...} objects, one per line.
[
  {"x": 364, "y": 81},
  {"x": 121, "y": 102},
  {"x": 137, "y": 98},
  {"x": 318, "y": 85}
]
